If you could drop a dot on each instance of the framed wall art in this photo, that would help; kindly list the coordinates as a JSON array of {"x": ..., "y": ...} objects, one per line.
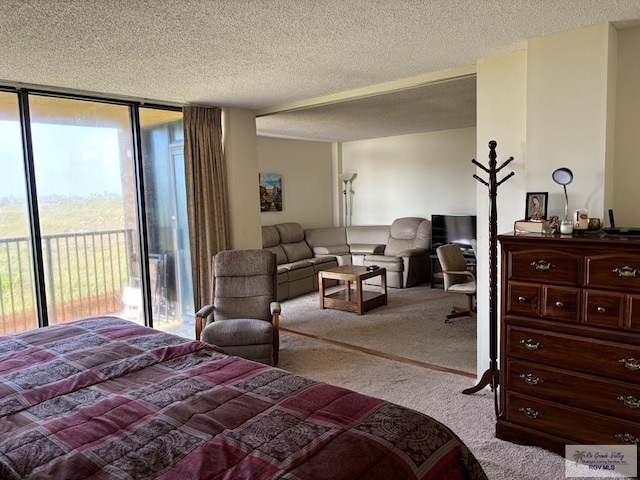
[{"x": 270, "y": 192}]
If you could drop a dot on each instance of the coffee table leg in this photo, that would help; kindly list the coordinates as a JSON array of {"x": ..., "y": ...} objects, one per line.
[
  {"x": 359, "y": 295},
  {"x": 383, "y": 286},
  {"x": 322, "y": 290}
]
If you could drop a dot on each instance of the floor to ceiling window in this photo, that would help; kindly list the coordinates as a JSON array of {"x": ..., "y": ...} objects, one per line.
[
  {"x": 81, "y": 161},
  {"x": 18, "y": 308}
]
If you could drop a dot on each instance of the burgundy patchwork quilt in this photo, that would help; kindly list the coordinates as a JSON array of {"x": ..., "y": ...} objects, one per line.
[{"x": 104, "y": 398}]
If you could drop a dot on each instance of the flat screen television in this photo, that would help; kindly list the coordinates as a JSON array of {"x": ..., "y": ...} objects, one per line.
[{"x": 460, "y": 229}]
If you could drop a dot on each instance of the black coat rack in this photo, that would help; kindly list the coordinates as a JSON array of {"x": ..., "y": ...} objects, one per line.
[{"x": 491, "y": 376}]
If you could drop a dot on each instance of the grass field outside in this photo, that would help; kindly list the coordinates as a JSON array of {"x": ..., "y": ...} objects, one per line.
[{"x": 87, "y": 257}]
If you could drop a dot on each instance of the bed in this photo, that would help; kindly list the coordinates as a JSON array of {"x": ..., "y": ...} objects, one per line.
[{"x": 104, "y": 398}]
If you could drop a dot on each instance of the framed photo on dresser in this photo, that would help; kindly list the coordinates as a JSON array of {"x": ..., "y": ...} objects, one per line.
[{"x": 536, "y": 206}]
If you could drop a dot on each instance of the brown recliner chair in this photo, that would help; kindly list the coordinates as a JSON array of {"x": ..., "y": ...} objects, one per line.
[
  {"x": 243, "y": 316},
  {"x": 457, "y": 279}
]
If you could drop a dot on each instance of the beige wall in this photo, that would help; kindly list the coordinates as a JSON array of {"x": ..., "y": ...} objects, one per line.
[
  {"x": 626, "y": 193},
  {"x": 501, "y": 96},
  {"x": 239, "y": 140},
  {"x": 567, "y": 102},
  {"x": 306, "y": 169},
  {"x": 411, "y": 175}
]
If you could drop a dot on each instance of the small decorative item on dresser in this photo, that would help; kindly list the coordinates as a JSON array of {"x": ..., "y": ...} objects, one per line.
[
  {"x": 536, "y": 206},
  {"x": 594, "y": 224},
  {"x": 581, "y": 220}
]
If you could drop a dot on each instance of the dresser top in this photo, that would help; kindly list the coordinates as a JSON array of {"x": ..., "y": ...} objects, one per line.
[{"x": 601, "y": 239}]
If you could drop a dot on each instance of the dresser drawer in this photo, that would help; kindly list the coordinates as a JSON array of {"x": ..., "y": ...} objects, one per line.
[
  {"x": 604, "y": 309},
  {"x": 522, "y": 299},
  {"x": 598, "y": 357},
  {"x": 581, "y": 426},
  {"x": 561, "y": 303},
  {"x": 588, "y": 392},
  {"x": 545, "y": 266},
  {"x": 614, "y": 272},
  {"x": 634, "y": 312}
]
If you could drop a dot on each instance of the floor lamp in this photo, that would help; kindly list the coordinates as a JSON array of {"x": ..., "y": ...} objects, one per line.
[{"x": 346, "y": 178}]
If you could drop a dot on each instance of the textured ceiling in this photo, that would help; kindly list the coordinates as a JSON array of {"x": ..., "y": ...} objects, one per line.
[{"x": 267, "y": 55}]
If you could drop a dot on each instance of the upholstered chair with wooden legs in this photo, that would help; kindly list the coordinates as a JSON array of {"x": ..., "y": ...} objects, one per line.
[
  {"x": 243, "y": 316},
  {"x": 457, "y": 279}
]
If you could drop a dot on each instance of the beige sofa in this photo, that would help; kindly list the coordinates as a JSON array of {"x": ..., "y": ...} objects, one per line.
[
  {"x": 402, "y": 248},
  {"x": 350, "y": 245},
  {"x": 298, "y": 267}
]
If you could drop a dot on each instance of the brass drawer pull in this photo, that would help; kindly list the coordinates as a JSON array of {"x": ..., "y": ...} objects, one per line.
[
  {"x": 522, "y": 299},
  {"x": 626, "y": 272},
  {"x": 601, "y": 309},
  {"x": 542, "y": 265},
  {"x": 530, "y": 412},
  {"x": 531, "y": 344},
  {"x": 559, "y": 304},
  {"x": 629, "y": 401},
  {"x": 530, "y": 378},
  {"x": 630, "y": 363},
  {"x": 628, "y": 438}
]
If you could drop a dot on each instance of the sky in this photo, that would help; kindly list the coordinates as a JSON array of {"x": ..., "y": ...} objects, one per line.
[{"x": 69, "y": 160}]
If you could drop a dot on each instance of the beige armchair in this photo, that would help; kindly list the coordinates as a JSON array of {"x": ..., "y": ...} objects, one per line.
[
  {"x": 243, "y": 316},
  {"x": 457, "y": 279},
  {"x": 406, "y": 254}
]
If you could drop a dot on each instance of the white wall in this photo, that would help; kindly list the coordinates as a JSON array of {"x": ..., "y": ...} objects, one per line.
[
  {"x": 411, "y": 175},
  {"x": 306, "y": 169},
  {"x": 567, "y": 109},
  {"x": 626, "y": 194},
  {"x": 501, "y": 98}
]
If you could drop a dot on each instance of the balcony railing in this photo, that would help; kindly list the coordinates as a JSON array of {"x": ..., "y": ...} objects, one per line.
[{"x": 85, "y": 274}]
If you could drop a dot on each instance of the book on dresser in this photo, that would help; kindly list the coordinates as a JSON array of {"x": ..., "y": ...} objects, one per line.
[
  {"x": 528, "y": 226},
  {"x": 570, "y": 340}
]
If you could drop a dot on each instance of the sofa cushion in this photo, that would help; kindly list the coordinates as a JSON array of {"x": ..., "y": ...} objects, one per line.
[
  {"x": 366, "y": 249},
  {"x": 297, "y": 251},
  {"x": 367, "y": 235},
  {"x": 323, "y": 262},
  {"x": 331, "y": 250},
  {"x": 281, "y": 257},
  {"x": 334, "y": 238},
  {"x": 299, "y": 270},
  {"x": 270, "y": 236},
  {"x": 290, "y": 232},
  {"x": 392, "y": 264}
]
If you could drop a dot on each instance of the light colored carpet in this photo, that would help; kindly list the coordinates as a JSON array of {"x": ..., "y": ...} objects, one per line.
[
  {"x": 435, "y": 393},
  {"x": 411, "y": 326}
]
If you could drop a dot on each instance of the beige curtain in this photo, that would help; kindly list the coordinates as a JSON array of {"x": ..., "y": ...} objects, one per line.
[{"x": 207, "y": 204}]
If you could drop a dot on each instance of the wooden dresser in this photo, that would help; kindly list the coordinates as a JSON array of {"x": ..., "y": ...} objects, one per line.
[{"x": 570, "y": 340}]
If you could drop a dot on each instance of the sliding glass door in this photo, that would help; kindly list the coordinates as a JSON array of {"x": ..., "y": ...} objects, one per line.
[
  {"x": 162, "y": 143},
  {"x": 87, "y": 161}
]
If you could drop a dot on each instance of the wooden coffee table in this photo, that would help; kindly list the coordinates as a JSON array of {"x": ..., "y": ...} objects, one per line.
[{"x": 352, "y": 299}]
